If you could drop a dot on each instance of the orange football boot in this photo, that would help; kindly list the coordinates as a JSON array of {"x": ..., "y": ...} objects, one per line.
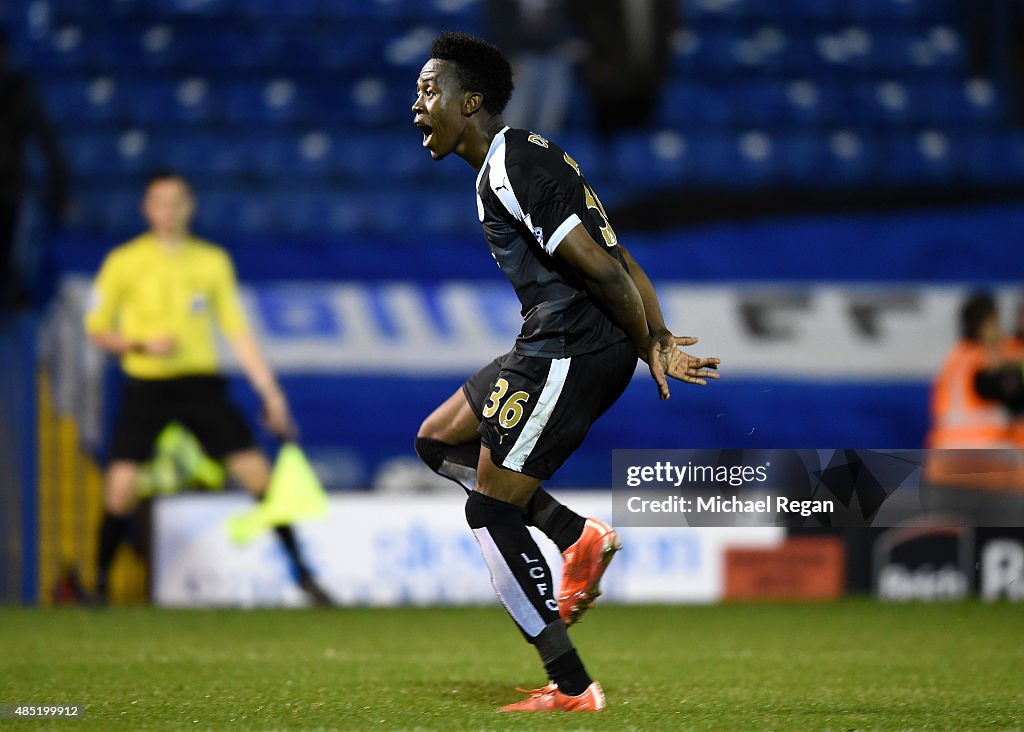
[
  {"x": 550, "y": 699},
  {"x": 585, "y": 563}
]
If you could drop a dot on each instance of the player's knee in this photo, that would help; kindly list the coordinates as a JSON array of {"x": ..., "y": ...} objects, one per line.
[
  {"x": 431, "y": 451},
  {"x": 431, "y": 428},
  {"x": 484, "y": 511}
]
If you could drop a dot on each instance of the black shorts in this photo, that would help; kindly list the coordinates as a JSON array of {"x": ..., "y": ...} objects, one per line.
[
  {"x": 200, "y": 403},
  {"x": 534, "y": 412}
]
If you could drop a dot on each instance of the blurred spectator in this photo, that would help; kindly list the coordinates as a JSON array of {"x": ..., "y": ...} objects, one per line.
[
  {"x": 628, "y": 58},
  {"x": 22, "y": 117},
  {"x": 972, "y": 390},
  {"x": 973, "y": 471},
  {"x": 533, "y": 34}
]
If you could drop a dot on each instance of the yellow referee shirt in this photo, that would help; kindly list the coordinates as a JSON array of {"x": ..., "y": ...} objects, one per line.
[{"x": 145, "y": 291}]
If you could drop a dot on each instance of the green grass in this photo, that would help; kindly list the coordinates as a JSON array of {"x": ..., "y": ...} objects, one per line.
[{"x": 843, "y": 666}]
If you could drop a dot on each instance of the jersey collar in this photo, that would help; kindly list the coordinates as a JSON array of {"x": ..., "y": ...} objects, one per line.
[{"x": 498, "y": 141}]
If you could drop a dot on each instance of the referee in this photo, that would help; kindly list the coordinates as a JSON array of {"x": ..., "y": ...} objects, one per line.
[{"x": 155, "y": 303}]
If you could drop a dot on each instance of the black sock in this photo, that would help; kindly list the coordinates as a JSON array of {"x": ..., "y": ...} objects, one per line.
[
  {"x": 567, "y": 671},
  {"x": 113, "y": 531},
  {"x": 560, "y": 659},
  {"x": 286, "y": 535},
  {"x": 555, "y": 520}
]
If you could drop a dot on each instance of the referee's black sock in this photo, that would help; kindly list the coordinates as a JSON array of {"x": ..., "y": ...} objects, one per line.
[
  {"x": 286, "y": 535},
  {"x": 555, "y": 520},
  {"x": 113, "y": 531}
]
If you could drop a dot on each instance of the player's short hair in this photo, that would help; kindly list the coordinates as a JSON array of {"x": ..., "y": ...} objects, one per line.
[
  {"x": 479, "y": 66},
  {"x": 159, "y": 176},
  {"x": 978, "y": 308}
]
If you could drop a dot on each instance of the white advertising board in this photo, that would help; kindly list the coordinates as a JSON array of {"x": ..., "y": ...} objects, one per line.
[{"x": 384, "y": 550}]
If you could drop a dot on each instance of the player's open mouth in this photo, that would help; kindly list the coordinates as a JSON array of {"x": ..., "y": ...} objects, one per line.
[{"x": 427, "y": 131}]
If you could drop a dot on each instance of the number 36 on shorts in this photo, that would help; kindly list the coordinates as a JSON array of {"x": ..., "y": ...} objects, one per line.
[{"x": 511, "y": 410}]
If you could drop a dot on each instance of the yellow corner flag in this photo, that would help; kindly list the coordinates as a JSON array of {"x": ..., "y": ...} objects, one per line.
[{"x": 294, "y": 494}]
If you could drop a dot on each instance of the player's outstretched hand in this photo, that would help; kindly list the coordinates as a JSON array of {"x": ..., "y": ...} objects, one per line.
[
  {"x": 665, "y": 359},
  {"x": 277, "y": 417}
]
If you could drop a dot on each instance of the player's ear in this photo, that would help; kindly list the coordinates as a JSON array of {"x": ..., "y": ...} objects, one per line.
[{"x": 472, "y": 102}]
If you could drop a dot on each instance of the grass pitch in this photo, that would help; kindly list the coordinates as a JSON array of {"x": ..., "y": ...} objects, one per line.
[{"x": 843, "y": 666}]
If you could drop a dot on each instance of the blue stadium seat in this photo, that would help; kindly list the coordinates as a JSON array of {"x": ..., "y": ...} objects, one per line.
[
  {"x": 795, "y": 10},
  {"x": 306, "y": 211},
  {"x": 273, "y": 11},
  {"x": 994, "y": 159},
  {"x": 397, "y": 156},
  {"x": 302, "y": 156},
  {"x": 888, "y": 10},
  {"x": 130, "y": 152},
  {"x": 114, "y": 211},
  {"x": 759, "y": 102},
  {"x": 887, "y": 101},
  {"x": 152, "y": 102},
  {"x": 66, "y": 47},
  {"x": 976, "y": 102},
  {"x": 158, "y": 46},
  {"x": 852, "y": 159},
  {"x": 209, "y": 156},
  {"x": 717, "y": 10},
  {"x": 100, "y": 99},
  {"x": 369, "y": 101},
  {"x": 802, "y": 158},
  {"x": 192, "y": 8},
  {"x": 271, "y": 102},
  {"x": 233, "y": 49},
  {"x": 654, "y": 159},
  {"x": 924, "y": 157},
  {"x": 813, "y": 102},
  {"x": 235, "y": 212},
  {"x": 713, "y": 157},
  {"x": 697, "y": 104}
]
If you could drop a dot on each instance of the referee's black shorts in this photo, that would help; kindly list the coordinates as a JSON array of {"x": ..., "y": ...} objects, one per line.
[
  {"x": 200, "y": 403},
  {"x": 534, "y": 412}
]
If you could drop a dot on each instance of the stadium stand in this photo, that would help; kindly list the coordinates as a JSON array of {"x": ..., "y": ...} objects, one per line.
[
  {"x": 293, "y": 121},
  {"x": 261, "y": 97}
]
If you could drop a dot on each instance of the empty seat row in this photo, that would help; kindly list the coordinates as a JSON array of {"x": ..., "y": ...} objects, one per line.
[
  {"x": 803, "y": 100},
  {"x": 774, "y": 49},
  {"x": 317, "y": 162}
]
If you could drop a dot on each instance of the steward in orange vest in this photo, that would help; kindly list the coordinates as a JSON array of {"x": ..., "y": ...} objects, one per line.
[{"x": 972, "y": 398}]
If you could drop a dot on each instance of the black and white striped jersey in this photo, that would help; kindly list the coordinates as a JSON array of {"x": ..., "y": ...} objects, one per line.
[{"x": 530, "y": 195}]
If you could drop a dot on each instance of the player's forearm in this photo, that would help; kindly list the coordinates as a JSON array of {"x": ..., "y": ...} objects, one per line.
[
  {"x": 255, "y": 366},
  {"x": 623, "y": 301},
  {"x": 652, "y": 308}
]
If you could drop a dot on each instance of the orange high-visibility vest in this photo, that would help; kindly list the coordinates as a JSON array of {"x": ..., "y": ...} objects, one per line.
[
  {"x": 961, "y": 418},
  {"x": 1013, "y": 350}
]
